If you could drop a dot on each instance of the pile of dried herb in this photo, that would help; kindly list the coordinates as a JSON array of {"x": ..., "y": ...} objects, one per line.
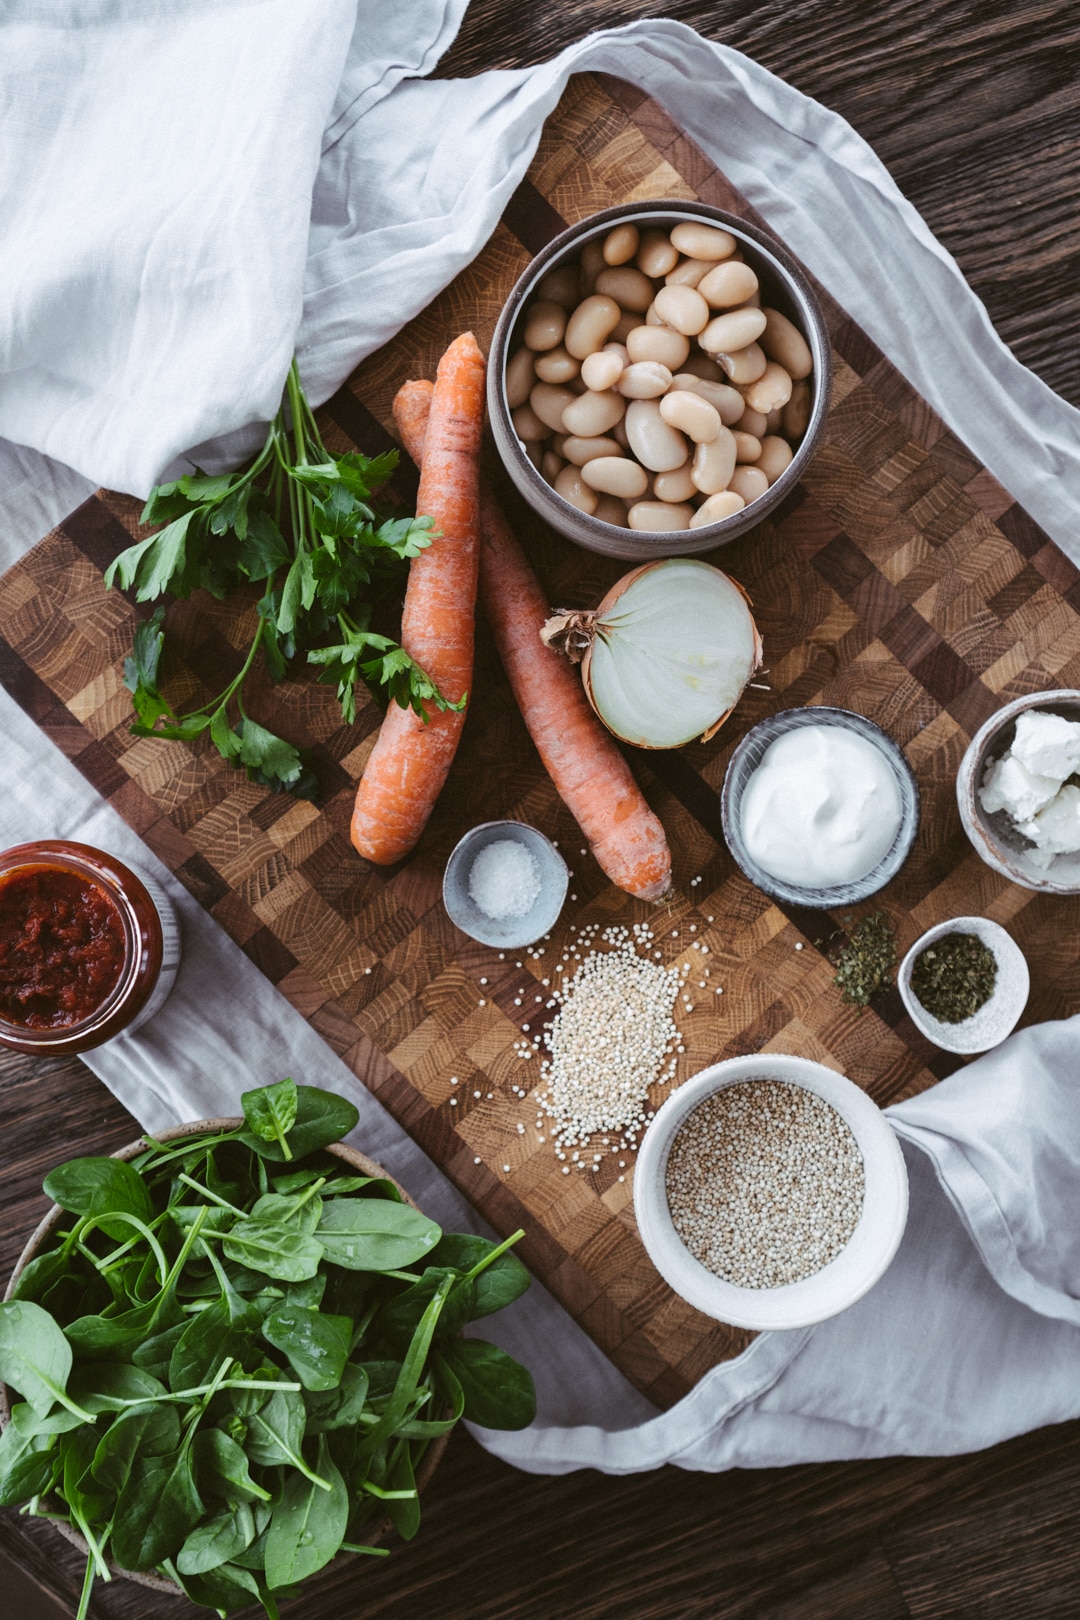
[
  {"x": 865, "y": 964},
  {"x": 954, "y": 977}
]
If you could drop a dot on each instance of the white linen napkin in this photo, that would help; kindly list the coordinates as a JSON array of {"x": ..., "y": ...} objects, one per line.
[{"x": 168, "y": 318}]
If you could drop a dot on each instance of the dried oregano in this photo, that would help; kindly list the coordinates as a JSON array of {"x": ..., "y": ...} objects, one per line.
[
  {"x": 864, "y": 965},
  {"x": 954, "y": 977}
]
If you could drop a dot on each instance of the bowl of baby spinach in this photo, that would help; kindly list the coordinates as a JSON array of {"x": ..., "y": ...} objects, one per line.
[{"x": 234, "y": 1352}]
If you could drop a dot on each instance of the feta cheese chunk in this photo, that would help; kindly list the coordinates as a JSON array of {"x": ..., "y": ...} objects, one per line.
[
  {"x": 1009, "y": 785},
  {"x": 1047, "y": 744},
  {"x": 1056, "y": 829}
]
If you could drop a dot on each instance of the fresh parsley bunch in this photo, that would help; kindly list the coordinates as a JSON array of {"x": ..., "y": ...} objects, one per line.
[{"x": 298, "y": 522}]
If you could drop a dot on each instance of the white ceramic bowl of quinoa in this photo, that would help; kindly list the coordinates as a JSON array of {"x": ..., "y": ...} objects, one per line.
[{"x": 858, "y": 1220}]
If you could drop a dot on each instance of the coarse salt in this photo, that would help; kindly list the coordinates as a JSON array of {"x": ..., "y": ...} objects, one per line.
[{"x": 504, "y": 879}]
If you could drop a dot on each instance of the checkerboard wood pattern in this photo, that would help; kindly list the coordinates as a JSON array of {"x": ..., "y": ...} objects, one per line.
[{"x": 899, "y": 580}]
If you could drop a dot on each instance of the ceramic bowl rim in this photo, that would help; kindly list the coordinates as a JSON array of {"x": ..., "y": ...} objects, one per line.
[
  {"x": 549, "y": 885},
  {"x": 1011, "y": 990}
]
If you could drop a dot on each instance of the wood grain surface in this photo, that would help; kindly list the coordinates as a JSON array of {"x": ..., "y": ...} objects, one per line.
[{"x": 973, "y": 108}]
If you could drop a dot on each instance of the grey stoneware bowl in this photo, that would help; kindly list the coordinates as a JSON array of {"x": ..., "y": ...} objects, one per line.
[
  {"x": 784, "y": 286},
  {"x": 997, "y": 1017},
  {"x": 993, "y": 837},
  {"x": 506, "y": 933},
  {"x": 865, "y": 1256},
  {"x": 745, "y": 761}
]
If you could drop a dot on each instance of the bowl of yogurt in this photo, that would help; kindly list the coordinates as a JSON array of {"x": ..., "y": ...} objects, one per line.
[
  {"x": 1018, "y": 789},
  {"x": 819, "y": 807}
]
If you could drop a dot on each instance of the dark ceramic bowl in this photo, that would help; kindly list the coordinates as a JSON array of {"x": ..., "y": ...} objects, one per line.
[{"x": 784, "y": 286}]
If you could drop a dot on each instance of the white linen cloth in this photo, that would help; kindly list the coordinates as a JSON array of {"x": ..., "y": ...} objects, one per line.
[{"x": 115, "y": 361}]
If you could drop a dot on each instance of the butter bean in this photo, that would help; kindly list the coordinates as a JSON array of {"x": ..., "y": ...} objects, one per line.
[
  {"x": 658, "y": 517},
  {"x": 744, "y": 366},
  {"x": 702, "y": 241},
  {"x": 604, "y": 368},
  {"x": 557, "y": 443},
  {"x": 683, "y": 308},
  {"x": 749, "y": 482},
  {"x": 747, "y": 448},
  {"x": 771, "y": 391},
  {"x": 727, "y": 402},
  {"x": 549, "y": 403},
  {"x": 520, "y": 376},
  {"x": 592, "y": 414},
  {"x": 652, "y": 318},
  {"x": 688, "y": 272},
  {"x": 630, "y": 289},
  {"x": 621, "y": 244},
  {"x": 797, "y": 411},
  {"x": 618, "y": 433},
  {"x": 557, "y": 366},
  {"x": 572, "y": 488},
  {"x": 783, "y": 342},
  {"x": 590, "y": 266},
  {"x": 753, "y": 422},
  {"x": 728, "y": 284},
  {"x": 675, "y": 487},
  {"x": 654, "y": 442},
  {"x": 656, "y": 256},
  {"x": 545, "y": 325},
  {"x": 660, "y": 343},
  {"x": 562, "y": 286},
  {"x": 700, "y": 365},
  {"x": 776, "y": 454},
  {"x": 616, "y": 475},
  {"x": 609, "y": 509},
  {"x": 714, "y": 463},
  {"x": 726, "y": 333},
  {"x": 591, "y": 324},
  {"x": 551, "y": 466},
  {"x": 722, "y": 505},
  {"x": 646, "y": 379},
  {"x": 577, "y": 386},
  {"x": 579, "y": 450},
  {"x": 527, "y": 425},
  {"x": 626, "y": 325},
  {"x": 692, "y": 415}
]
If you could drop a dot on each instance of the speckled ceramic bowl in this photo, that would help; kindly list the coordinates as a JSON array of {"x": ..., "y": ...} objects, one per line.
[
  {"x": 856, "y": 1268},
  {"x": 994, "y": 837},
  {"x": 997, "y": 1017},
  {"x": 505, "y": 933},
  {"x": 745, "y": 761},
  {"x": 784, "y": 286}
]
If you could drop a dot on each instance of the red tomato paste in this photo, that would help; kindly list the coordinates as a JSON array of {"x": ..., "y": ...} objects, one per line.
[{"x": 62, "y": 947}]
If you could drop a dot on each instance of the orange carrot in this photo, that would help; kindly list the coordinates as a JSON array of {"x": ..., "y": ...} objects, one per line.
[
  {"x": 581, "y": 757},
  {"x": 411, "y": 758}
]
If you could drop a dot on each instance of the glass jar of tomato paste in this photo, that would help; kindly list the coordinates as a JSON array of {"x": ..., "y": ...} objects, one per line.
[{"x": 87, "y": 948}]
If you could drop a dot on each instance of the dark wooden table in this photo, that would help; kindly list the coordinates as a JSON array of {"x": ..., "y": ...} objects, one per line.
[{"x": 974, "y": 106}]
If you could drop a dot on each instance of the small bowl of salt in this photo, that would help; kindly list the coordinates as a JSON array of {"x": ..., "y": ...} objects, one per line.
[{"x": 505, "y": 884}]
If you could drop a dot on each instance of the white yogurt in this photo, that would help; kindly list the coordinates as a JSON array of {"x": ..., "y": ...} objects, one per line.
[{"x": 822, "y": 808}]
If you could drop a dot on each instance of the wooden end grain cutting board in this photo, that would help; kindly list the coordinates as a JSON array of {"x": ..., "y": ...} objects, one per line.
[{"x": 899, "y": 580}]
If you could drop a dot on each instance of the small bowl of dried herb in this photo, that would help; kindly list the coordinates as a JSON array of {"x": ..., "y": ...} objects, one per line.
[{"x": 964, "y": 984}]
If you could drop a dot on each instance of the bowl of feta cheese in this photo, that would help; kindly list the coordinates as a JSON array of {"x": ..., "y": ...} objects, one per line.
[{"x": 1018, "y": 788}]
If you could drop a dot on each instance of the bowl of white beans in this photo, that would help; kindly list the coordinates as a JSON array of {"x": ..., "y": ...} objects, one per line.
[{"x": 659, "y": 378}]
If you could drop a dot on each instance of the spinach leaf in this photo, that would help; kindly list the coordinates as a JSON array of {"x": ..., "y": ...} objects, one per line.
[
  {"x": 499, "y": 1391},
  {"x": 215, "y": 1541},
  {"x": 148, "y": 1431},
  {"x": 155, "y": 1354},
  {"x": 221, "y": 1466},
  {"x": 276, "y": 1432},
  {"x": 219, "y": 1332},
  {"x": 226, "y": 1589},
  {"x": 308, "y": 1525},
  {"x": 403, "y": 1511},
  {"x": 408, "y": 1375},
  {"x": 275, "y": 1249},
  {"x": 108, "y": 1386},
  {"x": 366, "y": 1234},
  {"x": 270, "y": 1112},
  {"x": 340, "y": 1407},
  {"x": 99, "y": 1186},
  {"x": 35, "y": 1357},
  {"x": 28, "y": 1456},
  {"x": 497, "y": 1281},
  {"x": 316, "y": 1344},
  {"x": 322, "y": 1117},
  {"x": 399, "y": 1318},
  {"x": 156, "y": 1510}
]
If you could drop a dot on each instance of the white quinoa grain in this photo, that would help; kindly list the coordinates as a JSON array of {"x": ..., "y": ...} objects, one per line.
[{"x": 765, "y": 1183}]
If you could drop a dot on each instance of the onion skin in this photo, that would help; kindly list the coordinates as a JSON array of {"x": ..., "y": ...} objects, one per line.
[{"x": 609, "y": 602}]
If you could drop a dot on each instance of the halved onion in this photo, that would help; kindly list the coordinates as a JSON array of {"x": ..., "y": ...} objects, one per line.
[{"x": 668, "y": 652}]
